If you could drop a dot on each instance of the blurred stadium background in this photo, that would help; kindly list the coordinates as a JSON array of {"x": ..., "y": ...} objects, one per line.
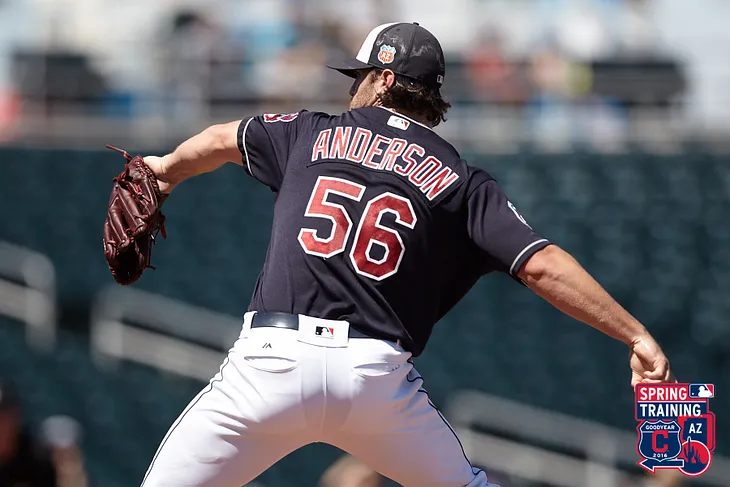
[{"x": 606, "y": 121}]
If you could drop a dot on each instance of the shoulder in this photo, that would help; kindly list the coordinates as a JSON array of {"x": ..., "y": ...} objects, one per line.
[
  {"x": 273, "y": 127},
  {"x": 472, "y": 178},
  {"x": 477, "y": 176},
  {"x": 293, "y": 117}
]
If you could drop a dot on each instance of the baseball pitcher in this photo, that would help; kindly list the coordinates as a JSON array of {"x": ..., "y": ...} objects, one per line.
[{"x": 379, "y": 229}]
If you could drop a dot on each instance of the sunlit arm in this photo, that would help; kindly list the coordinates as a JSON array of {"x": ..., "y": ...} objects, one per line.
[
  {"x": 558, "y": 278},
  {"x": 202, "y": 153}
]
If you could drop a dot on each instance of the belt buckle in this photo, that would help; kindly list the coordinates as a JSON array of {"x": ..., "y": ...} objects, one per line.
[{"x": 323, "y": 333}]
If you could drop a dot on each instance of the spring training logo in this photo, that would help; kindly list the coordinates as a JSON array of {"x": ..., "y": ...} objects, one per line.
[{"x": 676, "y": 427}]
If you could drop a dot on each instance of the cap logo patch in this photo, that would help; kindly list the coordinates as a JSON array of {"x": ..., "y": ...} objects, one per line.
[
  {"x": 386, "y": 55},
  {"x": 439, "y": 79}
]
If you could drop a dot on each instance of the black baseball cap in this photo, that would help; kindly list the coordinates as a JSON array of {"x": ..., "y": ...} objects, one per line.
[{"x": 405, "y": 48}]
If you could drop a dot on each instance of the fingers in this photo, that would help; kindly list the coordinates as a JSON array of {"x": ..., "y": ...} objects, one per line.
[
  {"x": 658, "y": 374},
  {"x": 670, "y": 378},
  {"x": 652, "y": 381},
  {"x": 641, "y": 380},
  {"x": 647, "y": 358},
  {"x": 661, "y": 370},
  {"x": 156, "y": 165},
  {"x": 668, "y": 375},
  {"x": 648, "y": 363}
]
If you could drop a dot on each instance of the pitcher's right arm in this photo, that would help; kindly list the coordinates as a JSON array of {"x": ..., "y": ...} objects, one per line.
[{"x": 557, "y": 277}]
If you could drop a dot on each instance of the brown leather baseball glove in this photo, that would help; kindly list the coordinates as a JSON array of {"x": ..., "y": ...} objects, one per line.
[{"x": 134, "y": 218}]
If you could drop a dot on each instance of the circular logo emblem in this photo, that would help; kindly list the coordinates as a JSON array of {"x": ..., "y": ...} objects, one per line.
[
  {"x": 517, "y": 213},
  {"x": 697, "y": 458}
]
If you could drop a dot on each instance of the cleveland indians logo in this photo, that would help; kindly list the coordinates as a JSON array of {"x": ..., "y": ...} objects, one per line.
[
  {"x": 660, "y": 444},
  {"x": 386, "y": 55},
  {"x": 280, "y": 117}
]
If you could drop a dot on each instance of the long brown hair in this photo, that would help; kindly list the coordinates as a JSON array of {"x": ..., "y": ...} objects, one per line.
[{"x": 414, "y": 96}]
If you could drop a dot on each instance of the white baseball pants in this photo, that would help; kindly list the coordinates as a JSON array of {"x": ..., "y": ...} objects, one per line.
[{"x": 279, "y": 390}]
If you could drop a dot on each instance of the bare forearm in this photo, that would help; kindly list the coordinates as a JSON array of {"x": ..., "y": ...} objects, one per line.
[
  {"x": 201, "y": 153},
  {"x": 560, "y": 280}
]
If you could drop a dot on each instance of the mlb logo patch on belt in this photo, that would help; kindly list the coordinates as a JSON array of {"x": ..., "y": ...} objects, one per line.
[{"x": 325, "y": 331}]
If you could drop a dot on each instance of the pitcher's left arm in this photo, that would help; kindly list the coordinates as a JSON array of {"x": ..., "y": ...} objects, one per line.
[{"x": 204, "y": 152}]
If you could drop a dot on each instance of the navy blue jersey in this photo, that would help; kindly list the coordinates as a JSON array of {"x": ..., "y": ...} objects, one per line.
[{"x": 377, "y": 221}]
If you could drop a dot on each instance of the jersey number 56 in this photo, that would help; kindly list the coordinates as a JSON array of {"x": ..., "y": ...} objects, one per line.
[{"x": 369, "y": 232}]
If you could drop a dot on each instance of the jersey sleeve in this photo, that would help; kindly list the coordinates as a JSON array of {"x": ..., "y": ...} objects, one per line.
[
  {"x": 497, "y": 229},
  {"x": 266, "y": 141}
]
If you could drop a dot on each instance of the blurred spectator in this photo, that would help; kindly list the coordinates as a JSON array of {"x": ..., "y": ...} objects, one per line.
[
  {"x": 583, "y": 33},
  {"x": 9, "y": 113},
  {"x": 350, "y": 472},
  {"x": 550, "y": 71},
  {"x": 199, "y": 65},
  {"x": 549, "y": 113},
  {"x": 298, "y": 73},
  {"x": 564, "y": 111},
  {"x": 294, "y": 75},
  {"x": 62, "y": 435},
  {"x": 24, "y": 461},
  {"x": 491, "y": 76},
  {"x": 187, "y": 52}
]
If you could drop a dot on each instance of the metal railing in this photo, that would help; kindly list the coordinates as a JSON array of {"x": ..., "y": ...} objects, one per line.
[
  {"x": 28, "y": 293},
  {"x": 160, "y": 332}
]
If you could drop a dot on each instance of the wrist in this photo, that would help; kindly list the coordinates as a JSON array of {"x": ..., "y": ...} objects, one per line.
[
  {"x": 165, "y": 187},
  {"x": 642, "y": 337},
  {"x": 160, "y": 167},
  {"x": 166, "y": 173}
]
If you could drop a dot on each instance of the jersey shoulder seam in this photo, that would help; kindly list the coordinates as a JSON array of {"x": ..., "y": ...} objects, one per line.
[{"x": 489, "y": 178}]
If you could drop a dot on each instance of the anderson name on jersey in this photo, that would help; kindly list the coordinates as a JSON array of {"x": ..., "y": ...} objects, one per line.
[{"x": 385, "y": 154}]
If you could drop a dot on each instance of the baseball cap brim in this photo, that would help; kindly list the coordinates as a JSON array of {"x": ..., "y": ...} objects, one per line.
[{"x": 349, "y": 67}]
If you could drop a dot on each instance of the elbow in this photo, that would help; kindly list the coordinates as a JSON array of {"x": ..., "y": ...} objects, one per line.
[
  {"x": 217, "y": 137},
  {"x": 222, "y": 141},
  {"x": 544, "y": 265}
]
